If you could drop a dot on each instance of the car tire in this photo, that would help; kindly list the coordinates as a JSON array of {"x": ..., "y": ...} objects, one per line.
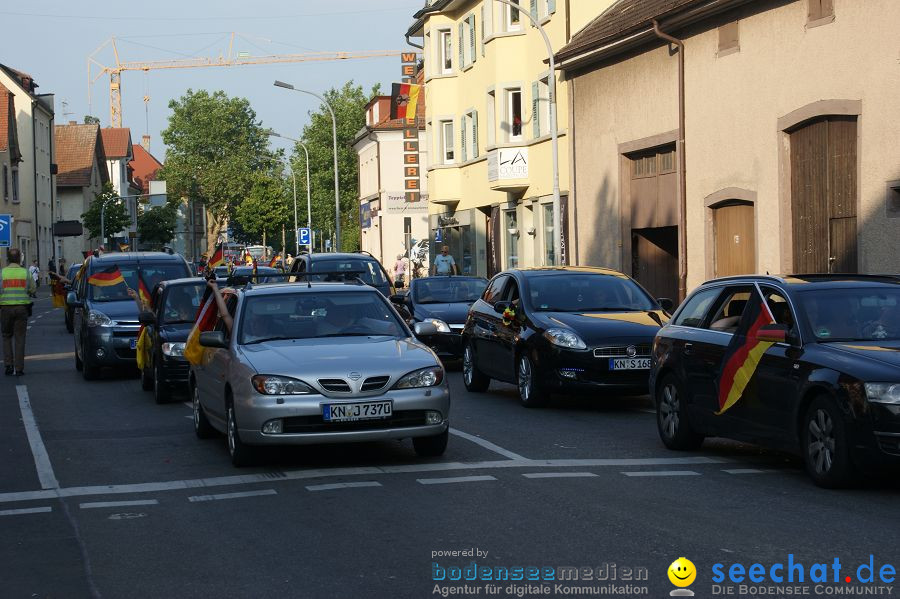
[
  {"x": 88, "y": 372},
  {"x": 825, "y": 448},
  {"x": 79, "y": 365},
  {"x": 531, "y": 393},
  {"x": 146, "y": 380},
  {"x": 241, "y": 454},
  {"x": 431, "y": 447},
  {"x": 202, "y": 428},
  {"x": 672, "y": 420},
  {"x": 161, "y": 393},
  {"x": 69, "y": 327},
  {"x": 474, "y": 380}
]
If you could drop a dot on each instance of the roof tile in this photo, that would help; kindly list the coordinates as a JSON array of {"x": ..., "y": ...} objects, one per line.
[
  {"x": 116, "y": 142},
  {"x": 77, "y": 147}
]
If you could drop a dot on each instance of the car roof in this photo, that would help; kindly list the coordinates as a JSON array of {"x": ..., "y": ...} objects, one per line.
[
  {"x": 815, "y": 281},
  {"x": 337, "y": 256},
  {"x": 304, "y": 287},
  {"x": 180, "y": 282},
  {"x": 119, "y": 257},
  {"x": 447, "y": 277},
  {"x": 596, "y": 270}
]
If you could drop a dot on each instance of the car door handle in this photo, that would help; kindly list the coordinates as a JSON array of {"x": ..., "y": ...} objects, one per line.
[{"x": 688, "y": 349}]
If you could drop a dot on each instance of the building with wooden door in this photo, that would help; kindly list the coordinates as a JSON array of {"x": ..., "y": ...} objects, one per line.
[{"x": 788, "y": 112}]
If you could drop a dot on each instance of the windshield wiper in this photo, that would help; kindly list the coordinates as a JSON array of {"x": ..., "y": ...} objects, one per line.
[
  {"x": 265, "y": 339},
  {"x": 353, "y": 335}
]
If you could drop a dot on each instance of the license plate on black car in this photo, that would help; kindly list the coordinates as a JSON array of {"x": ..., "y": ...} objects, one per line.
[
  {"x": 349, "y": 412},
  {"x": 133, "y": 344},
  {"x": 629, "y": 363}
]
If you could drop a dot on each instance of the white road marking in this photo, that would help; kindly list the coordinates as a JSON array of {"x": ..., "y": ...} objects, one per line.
[
  {"x": 342, "y": 486},
  {"x": 647, "y": 411},
  {"x": 455, "y": 479},
  {"x": 59, "y": 356},
  {"x": 31, "y": 322},
  {"x": 41, "y": 458},
  {"x": 28, "y": 328},
  {"x": 747, "y": 471},
  {"x": 220, "y": 496},
  {"x": 663, "y": 473},
  {"x": 188, "y": 404},
  {"x": 29, "y": 510},
  {"x": 487, "y": 445},
  {"x": 559, "y": 475},
  {"x": 102, "y": 504},
  {"x": 252, "y": 479}
]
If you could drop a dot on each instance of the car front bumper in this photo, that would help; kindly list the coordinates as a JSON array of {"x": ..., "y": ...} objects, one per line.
[
  {"x": 115, "y": 343},
  {"x": 582, "y": 372},
  {"x": 448, "y": 346},
  {"x": 303, "y": 423},
  {"x": 174, "y": 372}
]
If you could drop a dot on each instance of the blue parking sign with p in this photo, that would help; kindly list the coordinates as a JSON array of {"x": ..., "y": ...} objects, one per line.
[
  {"x": 303, "y": 236},
  {"x": 5, "y": 230}
]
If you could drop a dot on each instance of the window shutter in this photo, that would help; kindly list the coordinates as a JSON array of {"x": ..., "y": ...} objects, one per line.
[
  {"x": 462, "y": 131},
  {"x": 535, "y": 110},
  {"x": 534, "y": 11},
  {"x": 471, "y": 20},
  {"x": 489, "y": 18},
  {"x": 551, "y": 6},
  {"x": 462, "y": 47},
  {"x": 475, "y": 134},
  {"x": 483, "y": 6}
]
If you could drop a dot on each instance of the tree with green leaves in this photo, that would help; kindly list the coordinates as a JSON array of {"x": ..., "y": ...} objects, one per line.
[
  {"x": 91, "y": 120},
  {"x": 156, "y": 226},
  {"x": 265, "y": 209},
  {"x": 215, "y": 146},
  {"x": 115, "y": 217},
  {"x": 348, "y": 104}
]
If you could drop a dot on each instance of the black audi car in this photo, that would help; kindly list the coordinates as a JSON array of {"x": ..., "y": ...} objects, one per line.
[
  {"x": 175, "y": 306},
  {"x": 552, "y": 329},
  {"x": 444, "y": 302},
  {"x": 807, "y": 363}
]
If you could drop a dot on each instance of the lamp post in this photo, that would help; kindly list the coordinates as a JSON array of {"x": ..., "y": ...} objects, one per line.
[
  {"x": 308, "y": 193},
  {"x": 337, "y": 194},
  {"x": 554, "y": 130}
]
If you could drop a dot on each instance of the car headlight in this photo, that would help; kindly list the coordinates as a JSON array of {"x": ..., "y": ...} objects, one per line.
[
  {"x": 887, "y": 393},
  {"x": 280, "y": 385},
  {"x": 564, "y": 338},
  {"x": 173, "y": 349},
  {"x": 442, "y": 327},
  {"x": 426, "y": 377},
  {"x": 99, "y": 319}
]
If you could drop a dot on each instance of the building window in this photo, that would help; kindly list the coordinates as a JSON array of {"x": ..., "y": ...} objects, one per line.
[
  {"x": 513, "y": 19},
  {"x": 548, "y": 230},
  {"x": 513, "y": 123},
  {"x": 729, "y": 40},
  {"x": 446, "y": 140},
  {"x": 446, "y": 41},
  {"x": 820, "y": 12},
  {"x": 512, "y": 238},
  {"x": 546, "y": 8},
  {"x": 15, "y": 185},
  {"x": 491, "y": 118},
  {"x": 5, "y": 183}
]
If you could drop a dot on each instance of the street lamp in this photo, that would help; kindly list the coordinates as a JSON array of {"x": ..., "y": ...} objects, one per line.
[
  {"x": 337, "y": 195},
  {"x": 554, "y": 131},
  {"x": 308, "y": 193}
]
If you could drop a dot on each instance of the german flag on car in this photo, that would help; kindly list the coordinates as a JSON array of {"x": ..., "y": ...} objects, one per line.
[
  {"x": 143, "y": 292},
  {"x": 743, "y": 354},
  {"x": 405, "y": 101},
  {"x": 274, "y": 260},
  {"x": 109, "y": 277},
  {"x": 218, "y": 257},
  {"x": 206, "y": 320}
]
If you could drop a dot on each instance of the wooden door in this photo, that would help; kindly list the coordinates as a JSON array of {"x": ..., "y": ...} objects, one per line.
[
  {"x": 823, "y": 196},
  {"x": 654, "y": 256},
  {"x": 735, "y": 240}
]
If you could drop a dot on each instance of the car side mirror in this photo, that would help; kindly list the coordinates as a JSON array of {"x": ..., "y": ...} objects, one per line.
[
  {"x": 773, "y": 333},
  {"x": 666, "y": 304},
  {"x": 214, "y": 339},
  {"x": 147, "y": 318},
  {"x": 500, "y": 307},
  {"x": 398, "y": 284},
  {"x": 72, "y": 300},
  {"x": 425, "y": 329}
]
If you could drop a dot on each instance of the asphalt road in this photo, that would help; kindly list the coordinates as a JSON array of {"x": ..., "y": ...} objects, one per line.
[{"x": 105, "y": 494}]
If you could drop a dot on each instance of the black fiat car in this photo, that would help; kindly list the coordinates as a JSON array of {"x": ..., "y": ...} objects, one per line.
[
  {"x": 820, "y": 376},
  {"x": 444, "y": 302},
  {"x": 579, "y": 329},
  {"x": 175, "y": 306}
]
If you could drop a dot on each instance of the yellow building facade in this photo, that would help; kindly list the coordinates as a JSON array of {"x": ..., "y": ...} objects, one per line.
[{"x": 488, "y": 129}]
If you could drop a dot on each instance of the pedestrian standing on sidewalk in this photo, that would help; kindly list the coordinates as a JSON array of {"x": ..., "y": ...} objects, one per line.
[
  {"x": 15, "y": 288},
  {"x": 444, "y": 264},
  {"x": 35, "y": 271},
  {"x": 399, "y": 271}
]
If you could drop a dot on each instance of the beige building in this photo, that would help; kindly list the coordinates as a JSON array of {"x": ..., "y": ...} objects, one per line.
[
  {"x": 791, "y": 160},
  {"x": 10, "y": 154},
  {"x": 389, "y": 225},
  {"x": 488, "y": 88}
]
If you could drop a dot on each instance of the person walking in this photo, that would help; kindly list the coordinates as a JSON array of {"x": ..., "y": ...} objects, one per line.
[
  {"x": 15, "y": 288},
  {"x": 399, "y": 271},
  {"x": 35, "y": 271},
  {"x": 444, "y": 264}
]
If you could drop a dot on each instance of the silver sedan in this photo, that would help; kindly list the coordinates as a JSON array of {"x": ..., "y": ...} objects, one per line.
[{"x": 323, "y": 363}]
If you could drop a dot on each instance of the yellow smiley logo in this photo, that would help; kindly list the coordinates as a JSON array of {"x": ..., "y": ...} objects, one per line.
[{"x": 682, "y": 572}]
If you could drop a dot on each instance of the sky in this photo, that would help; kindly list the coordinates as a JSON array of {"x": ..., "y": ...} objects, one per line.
[{"x": 53, "y": 39}]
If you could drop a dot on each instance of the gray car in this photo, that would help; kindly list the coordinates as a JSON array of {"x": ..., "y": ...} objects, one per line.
[{"x": 317, "y": 363}]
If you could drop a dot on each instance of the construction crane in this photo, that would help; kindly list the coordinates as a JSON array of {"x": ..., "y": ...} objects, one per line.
[{"x": 96, "y": 69}]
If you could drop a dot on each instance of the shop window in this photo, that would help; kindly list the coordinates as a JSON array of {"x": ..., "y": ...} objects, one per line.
[
  {"x": 513, "y": 123},
  {"x": 548, "y": 230},
  {"x": 511, "y": 233}
]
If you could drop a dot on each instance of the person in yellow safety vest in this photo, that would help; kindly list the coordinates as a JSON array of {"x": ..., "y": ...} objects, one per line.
[{"x": 15, "y": 289}]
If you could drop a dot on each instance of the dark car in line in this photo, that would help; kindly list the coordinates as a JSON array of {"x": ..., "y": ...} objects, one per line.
[
  {"x": 105, "y": 318},
  {"x": 241, "y": 275},
  {"x": 360, "y": 264},
  {"x": 71, "y": 275},
  {"x": 168, "y": 324},
  {"x": 444, "y": 302},
  {"x": 553, "y": 329},
  {"x": 827, "y": 380}
]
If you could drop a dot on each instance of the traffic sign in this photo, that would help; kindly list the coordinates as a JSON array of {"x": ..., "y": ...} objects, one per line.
[
  {"x": 5, "y": 230},
  {"x": 303, "y": 236}
]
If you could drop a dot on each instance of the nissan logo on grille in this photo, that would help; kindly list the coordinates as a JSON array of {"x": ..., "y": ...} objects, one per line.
[{"x": 354, "y": 376}]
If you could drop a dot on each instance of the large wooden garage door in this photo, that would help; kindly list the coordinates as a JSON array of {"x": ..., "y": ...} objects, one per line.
[
  {"x": 735, "y": 239},
  {"x": 823, "y": 196}
]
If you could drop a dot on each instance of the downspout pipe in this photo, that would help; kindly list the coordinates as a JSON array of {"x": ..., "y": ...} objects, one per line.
[
  {"x": 413, "y": 44},
  {"x": 682, "y": 165}
]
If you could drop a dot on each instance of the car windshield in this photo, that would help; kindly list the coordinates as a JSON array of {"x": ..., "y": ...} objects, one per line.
[
  {"x": 182, "y": 303},
  {"x": 150, "y": 274},
  {"x": 585, "y": 292},
  {"x": 367, "y": 270},
  {"x": 861, "y": 314},
  {"x": 448, "y": 290},
  {"x": 311, "y": 315}
]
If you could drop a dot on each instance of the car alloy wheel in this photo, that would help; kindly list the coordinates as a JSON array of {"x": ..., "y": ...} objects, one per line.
[
  {"x": 826, "y": 448},
  {"x": 530, "y": 394},
  {"x": 475, "y": 380},
  {"x": 231, "y": 431},
  {"x": 467, "y": 365},
  {"x": 669, "y": 407},
  {"x": 821, "y": 442},
  {"x": 672, "y": 421}
]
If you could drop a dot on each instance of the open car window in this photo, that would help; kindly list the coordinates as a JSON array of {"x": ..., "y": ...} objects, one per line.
[{"x": 729, "y": 309}]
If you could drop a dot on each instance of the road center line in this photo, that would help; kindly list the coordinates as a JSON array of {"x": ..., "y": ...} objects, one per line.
[
  {"x": 342, "y": 486},
  {"x": 41, "y": 458},
  {"x": 559, "y": 475},
  {"x": 747, "y": 471},
  {"x": 663, "y": 473},
  {"x": 102, "y": 504},
  {"x": 220, "y": 496},
  {"x": 487, "y": 445},
  {"x": 28, "y": 510},
  {"x": 455, "y": 479}
]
